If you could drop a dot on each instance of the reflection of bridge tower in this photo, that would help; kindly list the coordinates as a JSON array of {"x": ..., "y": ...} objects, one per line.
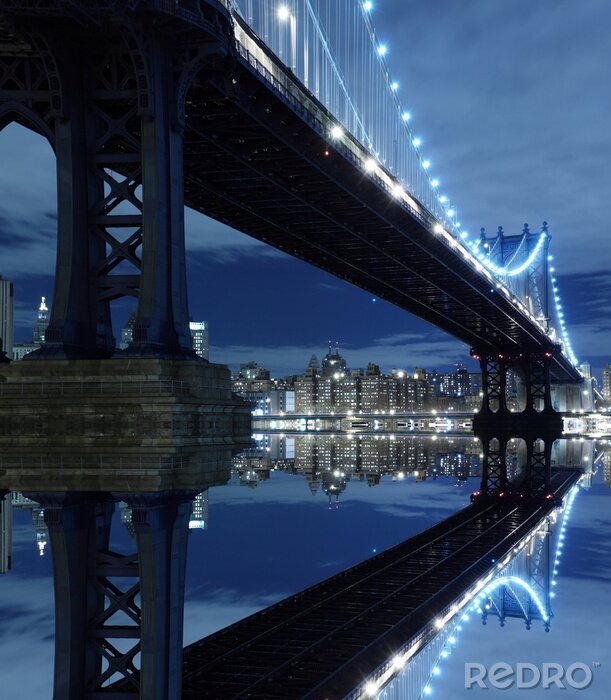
[
  {"x": 537, "y": 424},
  {"x": 533, "y": 567},
  {"x": 105, "y": 600}
]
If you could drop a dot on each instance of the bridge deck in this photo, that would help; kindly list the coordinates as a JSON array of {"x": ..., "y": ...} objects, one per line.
[{"x": 324, "y": 641}]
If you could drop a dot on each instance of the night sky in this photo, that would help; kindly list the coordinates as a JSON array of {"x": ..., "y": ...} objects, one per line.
[{"x": 511, "y": 100}]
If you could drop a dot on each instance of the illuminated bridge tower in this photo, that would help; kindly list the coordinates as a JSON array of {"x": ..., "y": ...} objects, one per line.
[
  {"x": 529, "y": 415},
  {"x": 532, "y": 285}
]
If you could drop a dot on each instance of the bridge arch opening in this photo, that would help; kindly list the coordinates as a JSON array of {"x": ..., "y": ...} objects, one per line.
[
  {"x": 12, "y": 112},
  {"x": 28, "y": 219},
  {"x": 29, "y": 201},
  {"x": 515, "y": 460}
]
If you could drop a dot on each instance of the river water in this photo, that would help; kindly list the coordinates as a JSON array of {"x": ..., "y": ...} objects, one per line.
[{"x": 300, "y": 509}]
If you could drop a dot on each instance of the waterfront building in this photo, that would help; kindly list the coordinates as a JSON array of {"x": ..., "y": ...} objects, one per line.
[
  {"x": 331, "y": 388},
  {"x": 333, "y": 364}
]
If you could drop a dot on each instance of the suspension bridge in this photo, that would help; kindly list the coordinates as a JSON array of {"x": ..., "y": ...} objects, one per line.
[{"x": 282, "y": 120}]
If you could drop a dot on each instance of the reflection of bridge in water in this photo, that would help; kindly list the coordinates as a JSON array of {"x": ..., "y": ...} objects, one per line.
[
  {"x": 340, "y": 637},
  {"x": 116, "y": 617}
]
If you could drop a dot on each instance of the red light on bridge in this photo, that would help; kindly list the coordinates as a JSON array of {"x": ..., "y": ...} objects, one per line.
[{"x": 326, "y": 153}]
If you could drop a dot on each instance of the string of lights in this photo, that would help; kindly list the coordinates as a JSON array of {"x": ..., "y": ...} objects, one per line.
[
  {"x": 564, "y": 335},
  {"x": 509, "y": 581},
  {"x": 335, "y": 50}
]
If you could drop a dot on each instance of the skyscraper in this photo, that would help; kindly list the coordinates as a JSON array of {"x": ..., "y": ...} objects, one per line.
[
  {"x": 38, "y": 334},
  {"x": 199, "y": 338},
  {"x": 7, "y": 302},
  {"x": 127, "y": 332}
]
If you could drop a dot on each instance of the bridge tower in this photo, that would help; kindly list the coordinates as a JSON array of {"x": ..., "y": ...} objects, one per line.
[
  {"x": 106, "y": 83},
  {"x": 533, "y": 284},
  {"x": 535, "y": 422},
  {"x": 107, "y": 86}
]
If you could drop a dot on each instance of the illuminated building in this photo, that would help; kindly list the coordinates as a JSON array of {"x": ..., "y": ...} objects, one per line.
[
  {"x": 20, "y": 350},
  {"x": 200, "y": 339},
  {"x": 42, "y": 321}
]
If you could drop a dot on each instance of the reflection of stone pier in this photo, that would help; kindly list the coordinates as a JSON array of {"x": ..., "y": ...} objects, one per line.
[
  {"x": 118, "y": 617},
  {"x": 77, "y": 437}
]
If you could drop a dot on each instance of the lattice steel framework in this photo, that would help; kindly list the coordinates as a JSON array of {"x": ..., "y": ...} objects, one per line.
[
  {"x": 494, "y": 384},
  {"x": 494, "y": 465},
  {"x": 111, "y": 103},
  {"x": 118, "y": 618},
  {"x": 533, "y": 284},
  {"x": 538, "y": 466},
  {"x": 533, "y": 567}
]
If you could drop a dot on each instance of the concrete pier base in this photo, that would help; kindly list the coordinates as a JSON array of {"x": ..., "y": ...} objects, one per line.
[{"x": 117, "y": 424}]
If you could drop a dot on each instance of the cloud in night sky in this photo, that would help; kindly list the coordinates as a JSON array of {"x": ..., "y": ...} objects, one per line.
[
  {"x": 27, "y": 631},
  {"x": 401, "y": 351}
]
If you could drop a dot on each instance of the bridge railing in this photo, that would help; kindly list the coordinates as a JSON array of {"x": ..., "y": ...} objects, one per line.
[{"x": 451, "y": 615}]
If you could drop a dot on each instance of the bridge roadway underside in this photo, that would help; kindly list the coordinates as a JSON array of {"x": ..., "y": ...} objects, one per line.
[
  {"x": 328, "y": 639},
  {"x": 258, "y": 161}
]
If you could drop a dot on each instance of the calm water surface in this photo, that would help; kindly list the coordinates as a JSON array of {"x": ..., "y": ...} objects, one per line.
[{"x": 270, "y": 533}]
